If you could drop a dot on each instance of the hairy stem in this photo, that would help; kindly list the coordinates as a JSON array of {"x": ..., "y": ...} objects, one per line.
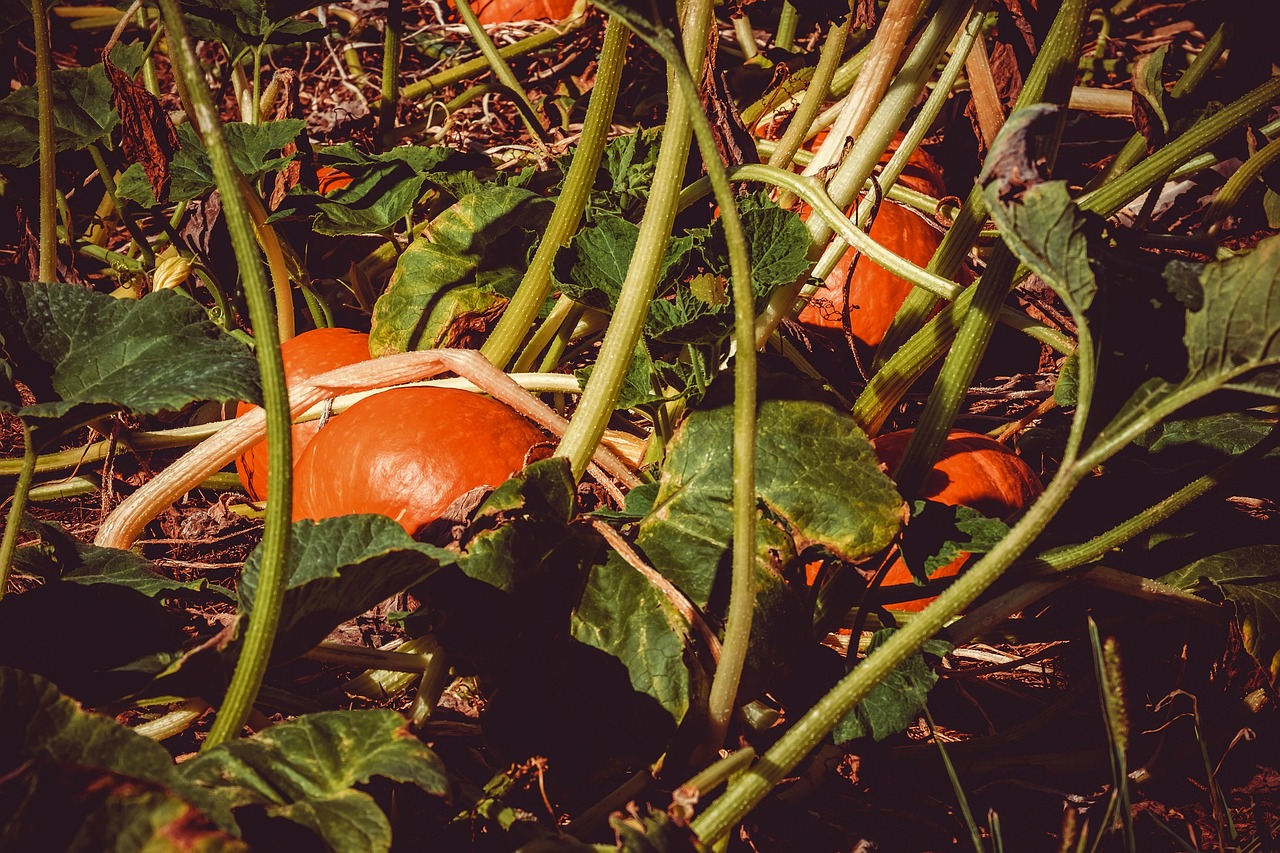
[{"x": 21, "y": 489}]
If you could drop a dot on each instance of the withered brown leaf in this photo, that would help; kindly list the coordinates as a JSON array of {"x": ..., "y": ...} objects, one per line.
[{"x": 147, "y": 137}]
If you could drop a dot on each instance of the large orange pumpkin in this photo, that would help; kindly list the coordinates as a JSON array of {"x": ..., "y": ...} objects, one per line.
[
  {"x": 506, "y": 11},
  {"x": 306, "y": 355},
  {"x": 972, "y": 470},
  {"x": 409, "y": 453}
]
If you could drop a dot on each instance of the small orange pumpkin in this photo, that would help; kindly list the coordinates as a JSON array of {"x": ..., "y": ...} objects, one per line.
[
  {"x": 972, "y": 470},
  {"x": 331, "y": 180},
  {"x": 306, "y": 355},
  {"x": 506, "y": 11},
  {"x": 409, "y": 453}
]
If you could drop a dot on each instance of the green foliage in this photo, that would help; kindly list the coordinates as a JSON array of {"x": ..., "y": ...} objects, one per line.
[
  {"x": 84, "y": 355},
  {"x": 479, "y": 243},
  {"x": 253, "y": 149},
  {"x": 895, "y": 702},
  {"x": 1247, "y": 579},
  {"x": 82, "y": 111},
  {"x": 938, "y": 534}
]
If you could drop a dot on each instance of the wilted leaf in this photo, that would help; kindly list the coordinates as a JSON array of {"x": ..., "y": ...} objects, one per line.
[
  {"x": 895, "y": 702},
  {"x": 82, "y": 112},
  {"x": 937, "y": 534},
  {"x": 148, "y": 136},
  {"x": 1248, "y": 579},
  {"x": 84, "y": 354},
  {"x": 305, "y": 771}
]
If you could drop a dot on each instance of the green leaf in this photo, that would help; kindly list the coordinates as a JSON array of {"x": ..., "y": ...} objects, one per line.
[
  {"x": 895, "y": 702},
  {"x": 483, "y": 239},
  {"x": 84, "y": 354},
  {"x": 1248, "y": 579},
  {"x": 637, "y": 386},
  {"x": 81, "y": 781},
  {"x": 1037, "y": 219},
  {"x": 622, "y": 614},
  {"x": 815, "y": 470},
  {"x": 1202, "y": 441},
  {"x": 626, "y": 173},
  {"x": 1234, "y": 341},
  {"x": 240, "y": 24},
  {"x": 59, "y": 556},
  {"x": 594, "y": 265},
  {"x": 338, "y": 568},
  {"x": 937, "y": 534},
  {"x": 305, "y": 771},
  {"x": 251, "y": 148},
  {"x": 82, "y": 111},
  {"x": 75, "y": 656}
]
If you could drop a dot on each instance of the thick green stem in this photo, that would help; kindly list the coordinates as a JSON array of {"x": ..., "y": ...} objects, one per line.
[
  {"x": 13, "y": 523},
  {"x": 390, "y": 68},
  {"x": 479, "y": 65},
  {"x": 1239, "y": 183},
  {"x": 498, "y": 65},
  {"x": 48, "y": 172},
  {"x": 260, "y": 632},
  {"x": 814, "y": 96},
  {"x": 785, "y": 36},
  {"x": 517, "y": 319},
  {"x": 619, "y": 344}
]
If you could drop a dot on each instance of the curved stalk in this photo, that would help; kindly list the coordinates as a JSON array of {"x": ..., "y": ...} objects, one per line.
[
  {"x": 126, "y": 217},
  {"x": 785, "y": 36},
  {"x": 861, "y": 161},
  {"x": 498, "y": 65},
  {"x": 813, "y": 195},
  {"x": 1236, "y": 186},
  {"x": 261, "y": 630},
  {"x": 596, "y": 405},
  {"x": 519, "y": 315},
  {"x": 13, "y": 523},
  {"x": 48, "y": 173}
]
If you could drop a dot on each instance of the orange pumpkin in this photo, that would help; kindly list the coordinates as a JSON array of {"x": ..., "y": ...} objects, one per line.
[
  {"x": 409, "y": 453},
  {"x": 506, "y": 11},
  {"x": 331, "y": 180},
  {"x": 874, "y": 294},
  {"x": 922, "y": 173},
  {"x": 306, "y": 355},
  {"x": 972, "y": 470}
]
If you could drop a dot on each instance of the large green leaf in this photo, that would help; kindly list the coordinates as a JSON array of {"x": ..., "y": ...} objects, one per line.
[
  {"x": 240, "y": 24},
  {"x": 1248, "y": 579},
  {"x": 481, "y": 240},
  {"x": 305, "y": 771},
  {"x": 895, "y": 702},
  {"x": 84, "y": 354},
  {"x": 622, "y": 614},
  {"x": 938, "y": 534},
  {"x": 82, "y": 111},
  {"x": 594, "y": 266},
  {"x": 80, "y": 781},
  {"x": 251, "y": 145},
  {"x": 815, "y": 470},
  {"x": 338, "y": 568}
]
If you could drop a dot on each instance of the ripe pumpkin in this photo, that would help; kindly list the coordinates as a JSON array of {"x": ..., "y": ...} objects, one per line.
[
  {"x": 331, "y": 180},
  {"x": 972, "y": 470},
  {"x": 306, "y": 355},
  {"x": 506, "y": 11},
  {"x": 875, "y": 295},
  {"x": 922, "y": 173},
  {"x": 408, "y": 453}
]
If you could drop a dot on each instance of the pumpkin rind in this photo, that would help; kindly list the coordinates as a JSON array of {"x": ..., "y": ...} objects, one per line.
[
  {"x": 972, "y": 470},
  {"x": 875, "y": 295},
  {"x": 506, "y": 11},
  {"x": 306, "y": 355},
  {"x": 409, "y": 453}
]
